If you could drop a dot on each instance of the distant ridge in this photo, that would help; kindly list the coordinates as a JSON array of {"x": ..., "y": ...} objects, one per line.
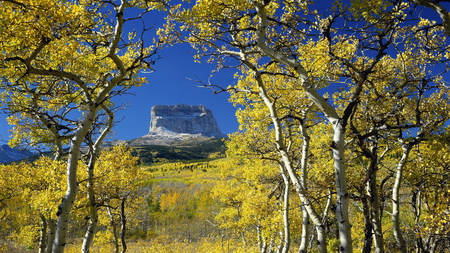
[{"x": 8, "y": 154}]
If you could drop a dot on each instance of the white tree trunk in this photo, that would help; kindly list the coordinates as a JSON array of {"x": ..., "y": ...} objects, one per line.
[
  {"x": 286, "y": 221},
  {"x": 93, "y": 216},
  {"x": 303, "y": 248},
  {"x": 338, "y": 136},
  {"x": 72, "y": 183},
  {"x": 43, "y": 236},
  {"x": 287, "y": 163},
  {"x": 342, "y": 202},
  {"x": 396, "y": 198},
  {"x": 93, "y": 104},
  {"x": 95, "y": 153},
  {"x": 51, "y": 224}
]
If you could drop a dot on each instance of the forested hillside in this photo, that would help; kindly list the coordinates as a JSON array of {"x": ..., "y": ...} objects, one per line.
[
  {"x": 182, "y": 151},
  {"x": 168, "y": 206},
  {"x": 214, "y": 205}
]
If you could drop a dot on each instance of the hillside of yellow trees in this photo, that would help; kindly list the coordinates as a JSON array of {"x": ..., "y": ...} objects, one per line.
[{"x": 227, "y": 204}]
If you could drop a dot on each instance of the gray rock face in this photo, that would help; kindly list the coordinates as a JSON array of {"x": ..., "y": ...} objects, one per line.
[
  {"x": 8, "y": 154},
  {"x": 183, "y": 119}
]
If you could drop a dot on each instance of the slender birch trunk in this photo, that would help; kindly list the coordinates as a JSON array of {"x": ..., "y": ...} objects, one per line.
[
  {"x": 123, "y": 224},
  {"x": 303, "y": 248},
  {"x": 286, "y": 160},
  {"x": 93, "y": 104},
  {"x": 93, "y": 215},
  {"x": 287, "y": 163},
  {"x": 406, "y": 148},
  {"x": 72, "y": 183},
  {"x": 342, "y": 202},
  {"x": 114, "y": 229},
  {"x": 51, "y": 224},
  {"x": 286, "y": 222},
  {"x": 43, "y": 235}
]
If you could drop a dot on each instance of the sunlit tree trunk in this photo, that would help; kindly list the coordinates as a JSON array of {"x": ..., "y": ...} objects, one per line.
[
  {"x": 112, "y": 222},
  {"x": 286, "y": 222},
  {"x": 286, "y": 159},
  {"x": 72, "y": 183},
  {"x": 287, "y": 162},
  {"x": 45, "y": 61},
  {"x": 43, "y": 235},
  {"x": 123, "y": 224},
  {"x": 342, "y": 202},
  {"x": 51, "y": 224},
  {"x": 93, "y": 215},
  {"x": 93, "y": 104},
  {"x": 406, "y": 148},
  {"x": 303, "y": 248}
]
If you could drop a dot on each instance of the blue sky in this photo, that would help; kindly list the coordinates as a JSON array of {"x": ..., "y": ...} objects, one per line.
[{"x": 168, "y": 85}]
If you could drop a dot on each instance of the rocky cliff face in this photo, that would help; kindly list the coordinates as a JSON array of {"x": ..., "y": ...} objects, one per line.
[
  {"x": 183, "y": 119},
  {"x": 177, "y": 124}
]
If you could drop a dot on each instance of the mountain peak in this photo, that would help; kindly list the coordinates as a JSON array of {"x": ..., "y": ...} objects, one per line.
[{"x": 183, "y": 119}]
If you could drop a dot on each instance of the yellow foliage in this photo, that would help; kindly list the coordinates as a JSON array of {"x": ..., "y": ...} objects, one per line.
[
  {"x": 60, "y": 56},
  {"x": 169, "y": 200}
]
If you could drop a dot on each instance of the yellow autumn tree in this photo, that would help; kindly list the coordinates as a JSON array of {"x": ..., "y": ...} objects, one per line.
[
  {"x": 62, "y": 62},
  {"x": 116, "y": 189},
  {"x": 252, "y": 198},
  {"x": 385, "y": 74},
  {"x": 40, "y": 186},
  {"x": 426, "y": 178}
]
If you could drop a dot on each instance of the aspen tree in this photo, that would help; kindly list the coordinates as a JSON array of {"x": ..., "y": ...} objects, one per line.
[
  {"x": 69, "y": 58},
  {"x": 355, "y": 43}
]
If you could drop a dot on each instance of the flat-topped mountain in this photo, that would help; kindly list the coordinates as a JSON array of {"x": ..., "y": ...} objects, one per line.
[
  {"x": 178, "y": 124},
  {"x": 183, "y": 119}
]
